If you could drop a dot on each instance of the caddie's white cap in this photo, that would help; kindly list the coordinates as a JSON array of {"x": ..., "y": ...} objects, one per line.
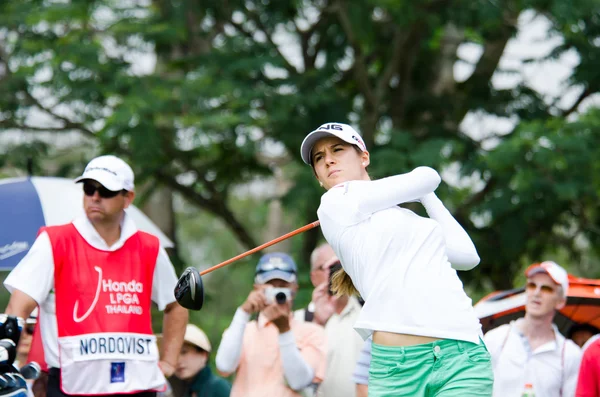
[
  {"x": 195, "y": 336},
  {"x": 111, "y": 172},
  {"x": 342, "y": 131},
  {"x": 552, "y": 269}
]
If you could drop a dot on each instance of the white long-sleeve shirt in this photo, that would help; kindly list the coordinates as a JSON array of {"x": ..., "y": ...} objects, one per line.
[{"x": 401, "y": 262}]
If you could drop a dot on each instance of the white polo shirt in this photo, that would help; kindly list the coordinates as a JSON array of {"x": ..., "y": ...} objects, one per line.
[
  {"x": 34, "y": 275},
  {"x": 549, "y": 368}
]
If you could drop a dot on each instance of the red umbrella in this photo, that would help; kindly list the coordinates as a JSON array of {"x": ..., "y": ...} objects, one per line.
[{"x": 583, "y": 306}]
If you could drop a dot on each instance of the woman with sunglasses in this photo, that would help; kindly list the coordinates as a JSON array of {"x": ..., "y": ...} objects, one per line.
[
  {"x": 94, "y": 280},
  {"x": 426, "y": 336}
]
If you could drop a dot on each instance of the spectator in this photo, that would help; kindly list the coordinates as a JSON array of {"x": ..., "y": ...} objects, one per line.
[
  {"x": 26, "y": 339},
  {"x": 24, "y": 345},
  {"x": 338, "y": 315},
  {"x": 94, "y": 280},
  {"x": 193, "y": 369},
  {"x": 274, "y": 355},
  {"x": 531, "y": 350},
  {"x": 361, "y": 371},
  {"x": 583, "y": 335},
  {"x": 588, "y": 384},
  {"x": 39, "y": 386}
]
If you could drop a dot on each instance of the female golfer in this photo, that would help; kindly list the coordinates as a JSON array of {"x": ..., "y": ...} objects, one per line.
[{"x": 426, "y": 337}]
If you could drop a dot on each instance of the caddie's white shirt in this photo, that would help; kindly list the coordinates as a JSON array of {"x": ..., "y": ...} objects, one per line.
[
  {"x": 397, "y": 260},
  {"x": 545, "y": 368},
  {"x": 34, "y": 275}
]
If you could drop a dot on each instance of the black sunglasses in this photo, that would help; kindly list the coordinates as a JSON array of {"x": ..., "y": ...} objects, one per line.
[{"x": 89, "y": 189}]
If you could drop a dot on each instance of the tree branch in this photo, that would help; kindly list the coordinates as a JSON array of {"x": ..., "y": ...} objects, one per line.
[
  {"x": 586, "y": 93},
  {"x": 466, "y": 206},
  {"x": 306, "y": 35},
  {"x": 487, "y": 64},
  {"x": 68, "y": 124},
  {"x": 398, "y": 43},
  {"x": 360, "y": 68},
  {"x": 256, "y": 19},
  {"x": 30, "y": 128},
  {"x": 218, "y": 208}
]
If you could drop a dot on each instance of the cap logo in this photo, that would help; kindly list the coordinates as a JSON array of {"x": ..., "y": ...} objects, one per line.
[
  {"x": 335, "y": 127},
  {"x": 359, "y": 142},
  {"x": 276, "y": 260}
]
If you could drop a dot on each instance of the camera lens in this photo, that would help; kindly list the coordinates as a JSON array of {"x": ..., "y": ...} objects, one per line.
[{"x": 280, "y": 298}]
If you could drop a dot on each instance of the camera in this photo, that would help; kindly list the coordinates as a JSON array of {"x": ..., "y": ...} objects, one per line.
[
  {"x": 279, "y": 295},
  {"x": 334, "y": 268}
]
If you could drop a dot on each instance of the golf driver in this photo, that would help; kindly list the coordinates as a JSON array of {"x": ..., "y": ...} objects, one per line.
[{"x": 189, "y": 290}]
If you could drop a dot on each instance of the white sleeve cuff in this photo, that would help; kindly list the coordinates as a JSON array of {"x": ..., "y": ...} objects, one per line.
[{"x": 240, "y": 317}]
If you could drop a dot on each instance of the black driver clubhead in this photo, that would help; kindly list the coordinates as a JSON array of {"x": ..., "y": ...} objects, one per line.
[{"x": 189, "y": 290}]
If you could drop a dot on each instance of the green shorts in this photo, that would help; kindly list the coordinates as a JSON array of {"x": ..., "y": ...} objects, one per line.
[{"x": 444, "y": 368}]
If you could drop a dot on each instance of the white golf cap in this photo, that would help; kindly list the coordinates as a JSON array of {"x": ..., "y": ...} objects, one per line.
[
  {"x": 195, "y": 336},
  {"x": 111, "y": 172},
  {"x": 552, "y": 269},
  {"x": 342, "y": 131}
]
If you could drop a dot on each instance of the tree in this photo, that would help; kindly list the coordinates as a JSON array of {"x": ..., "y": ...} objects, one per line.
[{"x": 234, "y": 78}]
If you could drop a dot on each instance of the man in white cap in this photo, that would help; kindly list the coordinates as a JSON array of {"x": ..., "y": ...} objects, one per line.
[
  {"x": 94, "y": 280},
  {"x": 530, "y": 353},
  {"x": 193, "y": 369}
]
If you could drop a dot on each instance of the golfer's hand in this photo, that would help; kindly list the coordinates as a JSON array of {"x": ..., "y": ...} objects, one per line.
[
  {"x": 324, "y": 303},
  {"x": 279, "y": 315},
  {"x": 255, "y": 302}
]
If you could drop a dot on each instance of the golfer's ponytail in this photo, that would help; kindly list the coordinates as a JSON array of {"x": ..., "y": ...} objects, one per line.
[{"x": 341, "y": 283}]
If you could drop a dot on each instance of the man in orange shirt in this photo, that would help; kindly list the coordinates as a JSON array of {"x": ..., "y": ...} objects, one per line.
[{"x": 274, "y": 355}]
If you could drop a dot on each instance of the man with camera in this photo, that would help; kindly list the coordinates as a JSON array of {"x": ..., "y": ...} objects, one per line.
[
  {"x": 338, "y": 315},
  {"x": 273, "y": 355}
]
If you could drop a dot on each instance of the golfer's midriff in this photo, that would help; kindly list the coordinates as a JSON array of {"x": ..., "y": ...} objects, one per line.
[{"x": 393, "y": 339}]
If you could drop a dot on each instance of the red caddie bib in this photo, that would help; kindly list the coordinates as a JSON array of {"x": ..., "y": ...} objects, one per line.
[{"x": 103, "y": 301}]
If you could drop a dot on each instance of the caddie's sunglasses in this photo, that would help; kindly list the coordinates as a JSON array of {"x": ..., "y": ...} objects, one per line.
[
  {"x": 89, "y": 189},
  {"x": 546, "y": 289}
]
